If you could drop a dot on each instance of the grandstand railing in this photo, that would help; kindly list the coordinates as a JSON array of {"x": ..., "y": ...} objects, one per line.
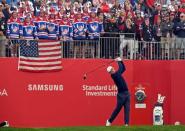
[{"x": 111, "y": 46}]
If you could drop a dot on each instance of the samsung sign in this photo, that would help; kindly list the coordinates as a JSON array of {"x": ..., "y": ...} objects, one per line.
[{"x": 45, "y": 87}]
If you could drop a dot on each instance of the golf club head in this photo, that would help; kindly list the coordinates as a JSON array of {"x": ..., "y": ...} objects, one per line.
[{"x": 85, "y": 76}]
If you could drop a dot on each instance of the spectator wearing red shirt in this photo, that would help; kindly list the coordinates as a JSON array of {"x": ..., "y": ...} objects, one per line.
[
  {"x": 157, "y": 12},
  {"x": 129, "y": 11},
  {"x": 104, "y": 7},
  {"x": 121, "y": 21},
  {"x": 138, "y": 22}
]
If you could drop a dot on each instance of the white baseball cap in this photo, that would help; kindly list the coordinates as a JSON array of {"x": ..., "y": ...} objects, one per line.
[{"x": 109, "y": 68}]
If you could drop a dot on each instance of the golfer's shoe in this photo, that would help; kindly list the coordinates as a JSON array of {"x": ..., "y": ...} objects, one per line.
[
  {"x": 108, "y": 123},
  {"x": 6, "y": 124},
  {"x": 126, "y": 124}
]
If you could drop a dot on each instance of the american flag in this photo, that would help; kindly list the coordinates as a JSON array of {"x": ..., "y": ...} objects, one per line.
[{"x": 40, "y": 56}]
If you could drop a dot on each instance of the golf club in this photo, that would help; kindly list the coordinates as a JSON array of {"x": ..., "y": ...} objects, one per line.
[{"x": 98, "y": 67}]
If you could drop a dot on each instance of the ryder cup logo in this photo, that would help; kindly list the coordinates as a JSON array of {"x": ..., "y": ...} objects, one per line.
[
  {"x": 3, "y": 92},
  {"x": 140, "y": 94}
]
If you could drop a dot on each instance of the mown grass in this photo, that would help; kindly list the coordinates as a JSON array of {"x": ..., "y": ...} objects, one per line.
[{"x": 101, "y": 128}]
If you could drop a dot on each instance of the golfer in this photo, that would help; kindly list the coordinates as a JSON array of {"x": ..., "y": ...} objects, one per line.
[{"x": 123, "y": 95}]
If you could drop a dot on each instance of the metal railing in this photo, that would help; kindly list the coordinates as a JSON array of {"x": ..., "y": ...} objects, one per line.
[
  {"x": 110, "y": 46},
  {"x": 80, "y": 49}
]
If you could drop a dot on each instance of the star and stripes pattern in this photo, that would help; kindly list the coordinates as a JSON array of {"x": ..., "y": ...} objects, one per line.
[{"x": 40, "y": 56}]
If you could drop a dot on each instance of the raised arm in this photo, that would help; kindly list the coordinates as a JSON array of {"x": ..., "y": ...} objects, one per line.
[{"x": 121, "y": 65}]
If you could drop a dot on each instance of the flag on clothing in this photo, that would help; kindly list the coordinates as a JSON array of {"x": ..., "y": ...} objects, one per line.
[{"x": 40, "y": 56}]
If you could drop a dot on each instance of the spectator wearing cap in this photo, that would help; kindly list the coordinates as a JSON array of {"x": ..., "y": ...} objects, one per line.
[
  {"x": 172, "y": 17},
  {"x": 79, "y": 33},
  {"x": 157, "y": 30},
  {"x": 29, "y": 29},
  {"x": 157, "y": 12},
  {"x": 94, "y": 28},
  {"x": 86, "y": 14},
  {"x": 65, "y": 29},
  {"x": 110, "y": 25},
  {"x": 129, "y": 38},
  {"x": 52, "y": 4},
  {"x": 41, "y": 22},
  {"x": 65, "y": 34},
  {"x": 150, "y": 4},
  {"x": 110, "y": 22},
  {"x": 146, "y": 30},
  {"x": 14, "y": 26},
  {"x": 59, "y": 15},
  {"x": 52, "y": 25},
  {"x": 2, "y": 34},
  {"x": 167, "y": 39},
  {"x": 79, "y": 27},
  {"x": 179, "y": 29},
  {"x": 147, "y": 35},
  {"x": 22, "y": 13},
  {"x": 14, "y": 32},
  {"x": 104, "y": 8}
]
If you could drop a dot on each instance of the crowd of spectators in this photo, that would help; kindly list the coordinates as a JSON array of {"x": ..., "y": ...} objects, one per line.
[{"x": 150, "y": 20}]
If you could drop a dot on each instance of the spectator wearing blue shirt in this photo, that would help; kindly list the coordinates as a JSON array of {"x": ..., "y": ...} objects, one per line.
[{"x": 179, "y": 29}]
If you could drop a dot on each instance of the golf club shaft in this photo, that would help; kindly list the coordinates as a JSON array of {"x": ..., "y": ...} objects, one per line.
[{"x": 98, "y": 67}]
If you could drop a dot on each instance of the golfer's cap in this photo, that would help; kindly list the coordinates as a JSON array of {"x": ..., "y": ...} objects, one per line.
[{"x": 109, "y": 68}]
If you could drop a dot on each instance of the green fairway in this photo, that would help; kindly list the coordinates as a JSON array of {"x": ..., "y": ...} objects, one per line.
[{"x": 101, "y": 128}]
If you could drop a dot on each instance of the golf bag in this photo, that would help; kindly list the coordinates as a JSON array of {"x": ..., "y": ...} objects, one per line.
[{"x": 158, "y": 111}]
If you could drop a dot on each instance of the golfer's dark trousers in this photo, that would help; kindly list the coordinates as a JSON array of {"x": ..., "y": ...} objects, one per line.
[{"x": 123, "y": 99}]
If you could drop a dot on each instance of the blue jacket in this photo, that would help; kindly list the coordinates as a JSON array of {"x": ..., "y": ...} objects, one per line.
[
  {"x": 179, "y": 29},
  {"x": 79, "y": 30},
  {"x": 118, "y": 79}
]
